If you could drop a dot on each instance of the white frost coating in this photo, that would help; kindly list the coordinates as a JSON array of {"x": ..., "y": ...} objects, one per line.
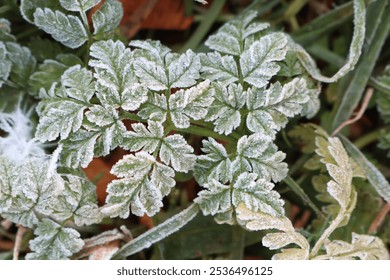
[
  {"x": 67, "y": 29},
  {"x": 184, "y": 71},
  {"x": 258, "y": 63},
  {"x": 151, "y": 73},
  {"x": 230, "y": 37},
  {"x": 270, "y": 109},
  {"x": 78, "y": 5},
  {"x": 175, "y": 151},
  {"x": 219, "y": 68},
  {"x": 54, "y": 242},
  {"x": 101, "y": 116},
  {"x": 155, "y": 109},
  {"x": 363, "y": 247},
  {"x": 191, "y": 103},
  {"x": 215, "y": 199},
  {"x": 108, "y": 17},
  {"x": 142, "y": 138},
  {"x": 224, "y": 112},
  {"x": 259, "y": 155},
  {"x": 78, "y": 83},
  {"x": 214, "y": 164},
  {"x": 355, "y": 49},
  {"x": 18, "y": 145},
  {"x": 5, "y": 64},
  {"x": 141, "y": 188}
]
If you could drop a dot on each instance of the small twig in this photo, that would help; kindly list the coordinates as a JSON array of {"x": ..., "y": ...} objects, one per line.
[
  {"x": 379, "y": 219},
  {"x": 133, "y": 24},
  {"x": 18, "y": 241},
  {"x": 359, "y": 114}
]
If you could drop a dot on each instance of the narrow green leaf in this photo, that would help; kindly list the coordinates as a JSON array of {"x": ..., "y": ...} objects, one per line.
[{"x": 158, "y": 233}]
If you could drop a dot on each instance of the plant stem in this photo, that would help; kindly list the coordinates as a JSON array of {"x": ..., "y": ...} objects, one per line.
[
  {"x": 369, "y": 138},
  {"x": 238, "y": 239}
]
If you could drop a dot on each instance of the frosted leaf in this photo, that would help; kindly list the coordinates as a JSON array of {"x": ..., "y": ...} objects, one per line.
[
  {"x": 30, "y": 194},
  {"x": 190, "y": 103},
  {"x": 78, "y": 83},
  {"x": 145, "y": 182},
  {"x": 23, "y": 64},
  {"x": 257, "y": 195},
  {"x": 259, "y": 155},
  {"x": 155, "y": 109},
  {"x": 259, "y": 62},
  {"x": 108, "y": 17},
  {"x": 115, "y": 76},
  {"x": 78, "y": 5},
  {"x": 215, "y": 164},
  {"x": 102, "y": 116},
  {"x": 5, "y": 30},
  {"x": 175, "y": 151},
  {"x": 154, "y": 49},
  {"x": 184, "y": 71},
  {"x": 54, "y": 242},
  {"x": 362, "y": 247},
  {"x": 230, "y": 37},
  {"x": 78, "y": 149},
  {"x": 312, "y": 106},
  {"x": 141, "y": 196},
  {"x": 67, "y": 29},
  {"x": 5, "y": 64},
  {"x": 59, "y": 117},
  {"x": 110, "y": 137},
  {"x": 338, "y": 165},
  {"x": 133, "y": 97},
  {"x": 77, "y": 200},
  {"x": 142, "y": 138},
  {"x": 219, "y": 68},
  {"x": 270, "y": 109},
  {"x": 290, "y": 66},
  {"x": 151, "y": 73},
  {"x": 225, "y": 110},
  {"x": 28, "y": 7},
  {"x": 215, "y": 199},
  {"x": 50, "y": 71}
]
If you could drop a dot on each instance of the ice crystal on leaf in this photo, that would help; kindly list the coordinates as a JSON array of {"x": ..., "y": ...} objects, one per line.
[{"x": 108, "y": 17}]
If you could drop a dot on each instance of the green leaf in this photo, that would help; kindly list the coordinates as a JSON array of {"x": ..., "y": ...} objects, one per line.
[
  {"x": 5, "y": 31},
  {"x": 23, "y": 64},
  {"x": 158, "y": 233},
  {"x": 190, "y": 103},
  {"x": 258, "y": 63},
  {"x": 45, "y": 49},
  {"x": 230, "y": 37},
  {"x": 219, "y": 68},
  {"x": 374, "y": 176},
  {"x": 5, "y": 64},
  {"x": 257, "y": 154},
  {"x": 175, "y": 151},
  {"x": 108, "y": 17},
  {"x": 354, "y": 51},
  {"x": 78, "y": 149},
  {"x": 118, "y": 85},
  {"x": 142, "y": 138},
  {"x": 145, "y": 182},
  {"x": 155, "y": 109},
  {"x": 78, "y": 201},
  {"x": 78, "y": 83},
  {"x": 50, "y": 72},
  {"x": 270, "y": 109},
  {"x": 78, "y": 5},
  {"x": 183, "y": 71},
  {"x": 224, "y": 112},
  {"x": 54, "y": 242},
  {"x": 59, "y": 117},
  {"x": 28, "y": 7},
  {"x": 217, "y": 198},
  {"x": 215, "y": 164},
  {"x": 67, "y": 29}
]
